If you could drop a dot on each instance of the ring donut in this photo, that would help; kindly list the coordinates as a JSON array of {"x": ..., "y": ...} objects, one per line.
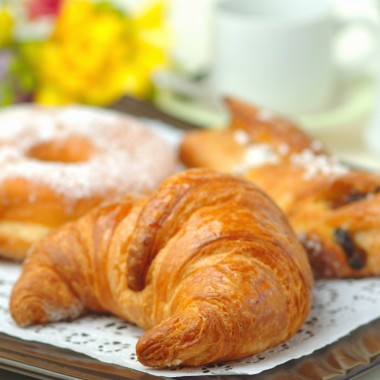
[{"x": 57, "y": 163}]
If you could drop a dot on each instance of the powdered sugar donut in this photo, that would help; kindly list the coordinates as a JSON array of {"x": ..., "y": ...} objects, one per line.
[{"x": 57, "y": 163}]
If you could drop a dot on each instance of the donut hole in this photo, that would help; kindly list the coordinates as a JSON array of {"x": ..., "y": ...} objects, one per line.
[{"x": 72, "y": 149}]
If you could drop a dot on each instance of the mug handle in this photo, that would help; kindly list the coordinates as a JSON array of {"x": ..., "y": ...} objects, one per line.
[{"x": 364, "y": 62}]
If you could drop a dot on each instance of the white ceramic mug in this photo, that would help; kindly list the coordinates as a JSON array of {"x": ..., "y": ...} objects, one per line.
[{"x": 277, "y": 53}]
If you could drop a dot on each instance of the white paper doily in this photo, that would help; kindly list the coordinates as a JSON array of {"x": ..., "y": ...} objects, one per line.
[{"x": 339, "y": 307}]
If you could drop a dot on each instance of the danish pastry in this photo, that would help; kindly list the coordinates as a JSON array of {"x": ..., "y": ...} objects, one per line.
[
  {"x": 334, "y": 210},
  {"x": 57, "y": 163},
  {"x": 205, "y": 259}
]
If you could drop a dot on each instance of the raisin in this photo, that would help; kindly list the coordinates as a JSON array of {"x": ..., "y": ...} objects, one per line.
[{"x": 356, "y": 256}]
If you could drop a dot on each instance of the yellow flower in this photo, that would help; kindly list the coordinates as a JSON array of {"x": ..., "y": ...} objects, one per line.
[
  {"x": 6, "y": 28},
  {"x": 152, "y": 37},
  {"x": 97, "y": 54}
]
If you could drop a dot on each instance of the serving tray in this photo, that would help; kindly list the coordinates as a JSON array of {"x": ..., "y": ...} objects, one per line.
[{"x": 346, "y": 358}]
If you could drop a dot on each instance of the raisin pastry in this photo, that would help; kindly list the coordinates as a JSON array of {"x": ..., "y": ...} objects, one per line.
[{"x": 334, "y": 210}]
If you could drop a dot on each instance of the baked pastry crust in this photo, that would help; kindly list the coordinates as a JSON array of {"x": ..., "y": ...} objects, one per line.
[
  {"x": 202, "y": 262},
  {"x": 334, "y": 210}
]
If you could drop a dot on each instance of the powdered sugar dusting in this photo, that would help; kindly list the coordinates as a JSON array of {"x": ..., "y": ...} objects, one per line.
[
  {"x": 264, "y": 114},
  {"x": 311, "y": 243},
  {"x": 241, "y": 137},
  {"x": 259, "y": 154},
  {"x": 312, "y": 163},
  {"x": 129, "y": 157},
  {"x": 256, "y": 155},
  {"x": 317, "y": 164}
]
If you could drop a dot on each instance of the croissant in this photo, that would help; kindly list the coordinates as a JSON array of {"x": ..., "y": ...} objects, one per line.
[
  {"x": 208, "y": 264},
  {"x": 334, "y": 210}
]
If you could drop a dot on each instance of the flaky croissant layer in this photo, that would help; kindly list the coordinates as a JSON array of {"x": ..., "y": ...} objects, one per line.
[{"x": 208, "y": 264}]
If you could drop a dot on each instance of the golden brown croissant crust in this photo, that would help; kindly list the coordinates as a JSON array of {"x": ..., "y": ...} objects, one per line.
[
  {"x": 208, "y": 264},
  {"x": 334, "y": 210}
]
